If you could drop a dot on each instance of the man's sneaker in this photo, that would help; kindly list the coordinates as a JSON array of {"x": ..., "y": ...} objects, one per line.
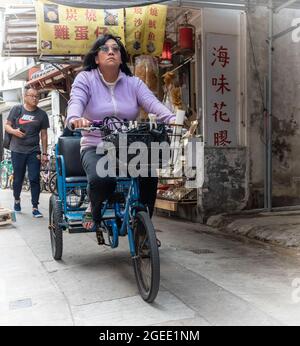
[
  {"x": 17, "y": 206},
  {"x": 36, "y": 213}
]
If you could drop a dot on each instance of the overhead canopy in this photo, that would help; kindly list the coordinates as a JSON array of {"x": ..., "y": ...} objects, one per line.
[
  {"x": 230, "y": 4},
  {"x": 107, "y": 3},
  {"x": 21, "y": 29}
]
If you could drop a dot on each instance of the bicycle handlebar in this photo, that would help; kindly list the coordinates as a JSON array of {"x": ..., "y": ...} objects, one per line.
[{"x": 102, "y": 125}]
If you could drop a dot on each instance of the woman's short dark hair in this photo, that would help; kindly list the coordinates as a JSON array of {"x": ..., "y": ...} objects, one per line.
[{"x": 89, "y": 60}]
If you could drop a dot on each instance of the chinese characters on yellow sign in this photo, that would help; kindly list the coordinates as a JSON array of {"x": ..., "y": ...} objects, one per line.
[
  {"x": 64, "y": 30},
  {"x": 145, "y": 29},
  {"x": 69, "y": 30}
]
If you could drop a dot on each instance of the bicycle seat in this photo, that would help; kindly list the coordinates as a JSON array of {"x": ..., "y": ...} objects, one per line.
[{"x": 69, "y": 148}]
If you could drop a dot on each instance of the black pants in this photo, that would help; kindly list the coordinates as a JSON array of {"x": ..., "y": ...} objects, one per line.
[
  {"x": 20, "y": 162},
  {"x": 100, "y": 189}
]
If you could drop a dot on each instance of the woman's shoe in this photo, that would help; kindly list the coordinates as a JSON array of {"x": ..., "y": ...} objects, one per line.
[
  {"x": 99, "y": 234},
  {"x": 88, "y": 221}
]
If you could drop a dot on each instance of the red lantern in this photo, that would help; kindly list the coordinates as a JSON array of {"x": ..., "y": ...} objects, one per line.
[
  {"x": 166, "y": 56},
  {"x": 186, "y": 38},
  {"x": 186, "y": 34}
]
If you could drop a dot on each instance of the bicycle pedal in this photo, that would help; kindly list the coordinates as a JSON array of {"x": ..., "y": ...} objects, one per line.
[{"x": 100, "y": 238}]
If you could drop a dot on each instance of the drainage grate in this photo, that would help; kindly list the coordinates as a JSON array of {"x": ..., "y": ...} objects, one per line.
[{"x": 200, "y": 251}]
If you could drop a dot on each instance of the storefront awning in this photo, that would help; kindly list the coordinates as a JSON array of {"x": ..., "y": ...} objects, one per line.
[
  {"x": 224, "y": 4},
  {"x": 22, "y": 74},
  {"x": 21, "y": 29},
  {"x": 238, "y": 4},
  {"x": 60, "y": 79},
  {"x": 107, "y": 3}
]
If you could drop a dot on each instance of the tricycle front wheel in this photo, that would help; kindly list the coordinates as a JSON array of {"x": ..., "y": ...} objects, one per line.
[
  {"x": 56, "y": 232},
  {"x": 146, "y": 261}
]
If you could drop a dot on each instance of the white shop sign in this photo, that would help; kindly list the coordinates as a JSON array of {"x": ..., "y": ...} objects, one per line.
[{"x": 221, "y": 87}]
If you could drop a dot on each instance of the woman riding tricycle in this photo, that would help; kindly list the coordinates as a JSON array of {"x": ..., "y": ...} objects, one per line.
[{"x": 107, "y": 89}]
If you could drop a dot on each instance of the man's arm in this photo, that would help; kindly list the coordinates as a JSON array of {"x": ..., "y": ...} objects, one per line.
[
  {"x": 44, "y": 139},
  {"x": 15, "y": 132},
  {"x": 14, "y": 112}
]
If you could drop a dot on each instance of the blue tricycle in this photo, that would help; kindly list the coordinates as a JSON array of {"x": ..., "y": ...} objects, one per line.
[{"x": 122, "y": 215}]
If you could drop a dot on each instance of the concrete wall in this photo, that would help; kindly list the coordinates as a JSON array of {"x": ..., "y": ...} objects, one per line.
[
  {"x": 8, "y": 66},
  {"x": 286, "y": 108},
  {"x": 225, "y": 185}
]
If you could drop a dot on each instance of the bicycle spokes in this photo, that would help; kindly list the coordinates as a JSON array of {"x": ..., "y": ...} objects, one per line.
[{"x": 146, "y": 259}]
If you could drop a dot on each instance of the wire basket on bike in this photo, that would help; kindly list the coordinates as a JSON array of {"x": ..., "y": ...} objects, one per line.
[
  {"x": 151, "y": 142},
  {"x": 135, "y": 149}
]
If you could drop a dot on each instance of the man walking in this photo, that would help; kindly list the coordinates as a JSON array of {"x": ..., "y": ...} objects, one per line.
[{"x": 26, "y": 123}]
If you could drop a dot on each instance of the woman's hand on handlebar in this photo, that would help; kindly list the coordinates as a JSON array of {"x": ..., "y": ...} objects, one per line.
[{"x": 80, "y": 123}]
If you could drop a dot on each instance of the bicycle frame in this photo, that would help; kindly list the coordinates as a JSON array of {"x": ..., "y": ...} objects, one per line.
[
  {"x": 6, "y": 163},
  {"x": 62, "y": 186},
  {"x": 122, "y": 214},
  {"x": 7, "y": 166},
  {"x": 132, "y": 201}
]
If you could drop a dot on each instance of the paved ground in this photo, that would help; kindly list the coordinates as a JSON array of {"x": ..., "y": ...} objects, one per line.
[
  {"x": 279, "y": 228},
  {"x": 207, "y": 278}
]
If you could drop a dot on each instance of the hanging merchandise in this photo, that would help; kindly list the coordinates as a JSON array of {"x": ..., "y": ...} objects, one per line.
[
  {"x": 146, "y": 68},
  {"x": 168, "y": 78},
  {"x": 186, "y": 34},
  {"x": 172, "y": 92}
]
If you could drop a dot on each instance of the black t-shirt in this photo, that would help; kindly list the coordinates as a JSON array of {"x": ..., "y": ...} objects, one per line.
[{"x": 31, "y": 122}]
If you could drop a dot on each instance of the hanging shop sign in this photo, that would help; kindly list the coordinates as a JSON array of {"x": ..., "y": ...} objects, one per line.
[
  {"x": 221, "y": 86},
  {"x": 64, "y": 30},
  {"x": 145, "y": 29}
]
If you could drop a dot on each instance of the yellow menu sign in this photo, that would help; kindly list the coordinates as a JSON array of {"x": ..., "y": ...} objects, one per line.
[
  {"x": 64, "y": 30},
  {"x": 145, "y": 29}
]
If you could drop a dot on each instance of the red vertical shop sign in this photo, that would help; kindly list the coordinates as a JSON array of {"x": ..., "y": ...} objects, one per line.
[{"x": 221, "y": 88}]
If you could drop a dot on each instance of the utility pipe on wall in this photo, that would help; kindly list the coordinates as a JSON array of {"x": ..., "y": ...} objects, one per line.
[{"x": 270, "y": 119}]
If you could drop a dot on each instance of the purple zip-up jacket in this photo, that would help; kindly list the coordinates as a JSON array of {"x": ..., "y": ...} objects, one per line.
[{"x": 94, "y": 99}]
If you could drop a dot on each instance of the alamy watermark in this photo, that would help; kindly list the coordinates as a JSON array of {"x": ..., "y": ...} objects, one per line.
[{"x": 141, "y": 160}]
